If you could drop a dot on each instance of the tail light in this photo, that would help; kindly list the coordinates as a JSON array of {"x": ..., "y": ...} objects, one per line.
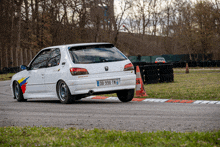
[
  {"x": 163, "y": 61},
  {"x": 129, "y": 67},
  {"x": 78, "y": 71},
  {"x": 155, "y": 61}
]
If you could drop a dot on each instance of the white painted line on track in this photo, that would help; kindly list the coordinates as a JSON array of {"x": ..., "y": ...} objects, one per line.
[
  {"x": 148, "y": 100},
  {"x": 163, "y": 100},
  {"x": 90, "y": 97},
  {"x": 197, "y": 102},
  {"x": 112, "y": 98},
  {"x": 159, "y": 100},
  {"x": 205, "y": 102},
  {"x": 156, "y": 100},
  {"x": 213, "y": 102}
]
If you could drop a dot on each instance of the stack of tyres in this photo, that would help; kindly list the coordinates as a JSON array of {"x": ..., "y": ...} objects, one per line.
[
  {"x": 218, "y": 63},
  {"x": 166, "y": 73},
  {"x": 5, "y": 70},
  {"x": 151, "y": 74},
  {"x": 142, "y": 73}
]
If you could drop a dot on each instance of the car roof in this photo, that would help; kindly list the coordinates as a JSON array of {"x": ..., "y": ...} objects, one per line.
[{"x": 77, "y": 44}]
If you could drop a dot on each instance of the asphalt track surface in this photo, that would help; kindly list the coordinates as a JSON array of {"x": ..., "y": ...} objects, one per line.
[{"x": 107, "y": 114}]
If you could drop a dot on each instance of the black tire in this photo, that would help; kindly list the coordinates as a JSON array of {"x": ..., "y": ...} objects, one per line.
[
  {"x": 64, "y": 94},
  {"x": 126, "y": 95},
  {"x": 18, "y": 93}
]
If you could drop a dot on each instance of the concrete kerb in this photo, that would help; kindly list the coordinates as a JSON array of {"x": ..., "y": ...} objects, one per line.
[{"x": 158, "y": 100}]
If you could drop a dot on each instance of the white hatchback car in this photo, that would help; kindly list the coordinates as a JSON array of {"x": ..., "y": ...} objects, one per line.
[{"x": 71, "y": 72}]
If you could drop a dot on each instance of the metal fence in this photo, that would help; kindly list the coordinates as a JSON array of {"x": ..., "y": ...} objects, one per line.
[
  {"x": 181, "y": 60},
  {"x": 177, "y": 60}
]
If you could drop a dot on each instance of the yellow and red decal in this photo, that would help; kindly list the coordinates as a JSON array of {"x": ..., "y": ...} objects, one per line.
[{"x": 23, "y": 83}]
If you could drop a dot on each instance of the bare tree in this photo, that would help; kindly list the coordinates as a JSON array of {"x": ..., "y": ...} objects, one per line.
[{"x": 125, "y": 5}]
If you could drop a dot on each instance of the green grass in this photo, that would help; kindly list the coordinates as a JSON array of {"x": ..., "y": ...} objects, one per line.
[
  {"x": 51, "y": 136},
  {"x": 193, "y": 86},
  {"x": 202, "y": 85},
  {"x": 4, "y": 77}
]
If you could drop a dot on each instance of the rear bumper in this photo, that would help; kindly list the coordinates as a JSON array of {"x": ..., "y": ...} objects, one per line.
[{"x": 86, "y": 84}]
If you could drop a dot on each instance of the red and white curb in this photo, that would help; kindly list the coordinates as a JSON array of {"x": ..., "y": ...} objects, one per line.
[{"x": 156, "y": 100}]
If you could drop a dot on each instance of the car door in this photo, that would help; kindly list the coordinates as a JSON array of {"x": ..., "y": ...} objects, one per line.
[
  {"x": 36, "y": 72},
  {"x": 52, "y": 74}
]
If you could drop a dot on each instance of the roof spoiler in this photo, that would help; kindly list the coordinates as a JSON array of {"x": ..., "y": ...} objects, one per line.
[{"x": 91, "y": 46}]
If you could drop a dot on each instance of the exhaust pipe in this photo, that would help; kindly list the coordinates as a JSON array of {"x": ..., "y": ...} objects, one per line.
[{"x": 90, "y": 92}]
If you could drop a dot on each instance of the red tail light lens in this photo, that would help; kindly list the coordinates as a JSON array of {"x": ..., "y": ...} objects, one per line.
[
  {"x": 155, "y": 61},
  {"x": 129, "y": 67},
  {"x": 78, "y": 71},
  {"x": 163, "y": 61}
]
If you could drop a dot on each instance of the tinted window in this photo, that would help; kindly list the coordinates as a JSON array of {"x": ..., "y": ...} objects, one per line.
[
  {"x": 46, "y": 58},
  {"x": 41, "y": 60},
  {"x": 54, "y": 59},
  {"x": 96, "y": 55}
]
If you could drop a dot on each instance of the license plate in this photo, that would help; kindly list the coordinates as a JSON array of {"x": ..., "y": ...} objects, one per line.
[{"x": 108, "y": 82}]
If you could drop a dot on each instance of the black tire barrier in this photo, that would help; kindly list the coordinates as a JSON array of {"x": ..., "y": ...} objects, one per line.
[
  {"x": 142, "y": 72},
  {"x": 149, "y": 79},
  {"x": 166, "y": 78},
  {"x": 6, "y": 70},
  {"x": 192, "y": 64},
  {"x": 151, "y": 72},
  {"x": 218, "y": 63},
  {"x": 166, "y": 71},
  {"x": 214, "y": 63}
]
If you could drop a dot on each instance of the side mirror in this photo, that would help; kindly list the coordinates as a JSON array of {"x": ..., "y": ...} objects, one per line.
[{"x": 23, "y": 67}]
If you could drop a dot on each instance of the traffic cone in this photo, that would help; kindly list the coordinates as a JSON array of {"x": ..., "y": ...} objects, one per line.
[
  {"x": 187, "y": 68},
  {"x": 140, "y": 91}
]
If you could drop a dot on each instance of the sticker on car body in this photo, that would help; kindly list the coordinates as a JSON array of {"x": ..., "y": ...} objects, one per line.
[{"x": 23, "y": 83}]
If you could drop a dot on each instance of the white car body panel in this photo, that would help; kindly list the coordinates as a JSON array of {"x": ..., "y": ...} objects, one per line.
[{"x": 42, "y": 82}]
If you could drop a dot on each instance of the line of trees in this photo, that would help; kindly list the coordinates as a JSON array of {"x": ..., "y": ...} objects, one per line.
[
  {"x": 177, "y": 26},
  {"x": 146, "y": 27}
]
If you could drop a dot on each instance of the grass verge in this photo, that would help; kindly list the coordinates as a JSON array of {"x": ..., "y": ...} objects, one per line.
[
  {"x": 4, "y": 77},
  {"x": 193, "y": 86},
  {"x": 51, "y": 136}
]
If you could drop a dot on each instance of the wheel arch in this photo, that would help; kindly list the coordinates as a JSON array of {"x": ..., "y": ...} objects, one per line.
[
  {"x": 13, "y": 92},
  {"x": 57, "y": 85}
]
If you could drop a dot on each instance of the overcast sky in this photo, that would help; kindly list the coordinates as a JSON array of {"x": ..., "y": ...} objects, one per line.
[{"x": 117, "y": 3}]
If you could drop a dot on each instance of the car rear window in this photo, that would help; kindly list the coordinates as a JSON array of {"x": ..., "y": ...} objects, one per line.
[
  {"x": 160, "y": 59},
  {"x": 96, "y": 54}
]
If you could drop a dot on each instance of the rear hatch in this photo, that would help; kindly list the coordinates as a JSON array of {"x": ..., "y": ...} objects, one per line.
[{"x": 97, "y": 59}]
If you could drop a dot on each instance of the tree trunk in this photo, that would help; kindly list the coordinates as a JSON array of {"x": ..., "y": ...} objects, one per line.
[
  {"x": 12, "y": 34},
  {"x": 19, "y": 34},
  {"x": 1, "y": 66}
]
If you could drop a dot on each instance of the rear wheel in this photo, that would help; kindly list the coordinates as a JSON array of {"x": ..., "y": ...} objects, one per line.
[
  {"x": 18, "y": 93},
  {"x": 64, "y": 94},
  {"x": 126, "y": 95}
]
